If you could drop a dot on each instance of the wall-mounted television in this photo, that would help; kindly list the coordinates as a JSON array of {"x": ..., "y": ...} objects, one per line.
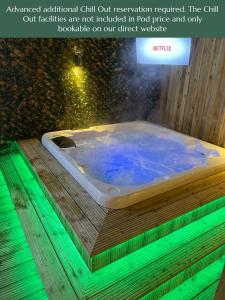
[{"x": 163, "y": 51}]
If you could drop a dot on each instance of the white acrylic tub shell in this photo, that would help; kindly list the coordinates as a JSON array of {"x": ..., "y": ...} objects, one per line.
[{"x": 118, "y": 195}]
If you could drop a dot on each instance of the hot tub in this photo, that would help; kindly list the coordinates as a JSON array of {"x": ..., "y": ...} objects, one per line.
[{"x": 122, "y": 164}]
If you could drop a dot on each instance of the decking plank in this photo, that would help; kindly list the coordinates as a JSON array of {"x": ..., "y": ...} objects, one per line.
[
  {"x": 11, "y": 235},
  {"x": 39, "y": 295},
  {"x": 9, "y": 224},
  {"x": 141, "y": 283},
  {"x": 88, "y": 284},
  {"x": 8, "y": 216},
  {"x": 15, "y": 258},
  {"x": 17, "y": 273},
  {"x": 43, "y": 251},
  {"x": 11, "y": 247},
  {"x": 16, "y": 261},
  {"x": 193, "y": 287},
  {"x": 83, "y": 199},
  {"x": 208, "y": 293},
  {"x": 195, "y": 190},
  {"x": 129, "y": 280},
  {"x": 220, "y": 293},
  {"x": 137, "y": 222},
  {"x": 22, "y": 288},
  {"x": 72, "y": 213},
  {"x": 123, "y": 224}
]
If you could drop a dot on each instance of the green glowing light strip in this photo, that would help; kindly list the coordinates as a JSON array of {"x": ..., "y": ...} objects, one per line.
[
  {"x": 153, "y": 235},
  {"x": 187, "y": 275},
  {"x": 137, "y": 273},
  {"x": 111, "y": 255},
  {"x": 208, "y": 293},
  {"x": 16, "y": 260},
  {"x": 196, "y": 284}
]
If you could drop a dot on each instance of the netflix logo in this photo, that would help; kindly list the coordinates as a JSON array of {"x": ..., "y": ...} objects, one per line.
[{"x": 162, "y": 48}]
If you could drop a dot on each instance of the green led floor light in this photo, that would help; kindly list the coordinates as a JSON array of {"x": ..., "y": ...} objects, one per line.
[
  {"x": 196, "y": 245},
  {"x": 191, "y": 282},
  {"x": 16, "y": 260},
  {"x": 109, "y": 256},
  {"x": 196, "y": 284}
]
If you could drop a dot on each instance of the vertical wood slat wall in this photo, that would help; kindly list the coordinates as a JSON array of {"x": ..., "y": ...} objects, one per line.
[{"x": 193, "y": 97}]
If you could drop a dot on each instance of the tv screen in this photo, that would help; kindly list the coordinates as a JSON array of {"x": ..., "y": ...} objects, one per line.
[{"x": 163, "y": 51}]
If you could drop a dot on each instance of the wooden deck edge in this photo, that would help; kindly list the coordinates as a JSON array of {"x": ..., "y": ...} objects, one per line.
[
  {"x": 17, "y": 263},
  {"x": 220, "y": 293},
  {"x": 70, "y": 230},
  {"x": 123, "y": 231},
  {"x": 187, "y": 257}
]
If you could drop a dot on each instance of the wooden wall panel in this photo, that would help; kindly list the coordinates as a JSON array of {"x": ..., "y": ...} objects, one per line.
[{"x": 194, "y": 99}]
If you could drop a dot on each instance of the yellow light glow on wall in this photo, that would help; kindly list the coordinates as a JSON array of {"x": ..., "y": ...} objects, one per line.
[
  {"x": 79, "y": 77},
  {"x": 78, "y": 90},
  {"x": 75, "y": 80}
]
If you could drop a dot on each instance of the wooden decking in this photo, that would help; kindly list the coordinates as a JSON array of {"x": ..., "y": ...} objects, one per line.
[
  {"x": 220, "y": 293},
  {"x": 99, "y": 228},
  {"x": 150, "y": 272},
  {"x": 19, "y": 278}
]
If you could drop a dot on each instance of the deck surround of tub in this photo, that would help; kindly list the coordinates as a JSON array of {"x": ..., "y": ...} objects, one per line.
[{"x": 99, "y": 228}]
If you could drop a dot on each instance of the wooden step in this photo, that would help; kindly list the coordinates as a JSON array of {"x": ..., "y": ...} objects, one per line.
[
  {"x": 177, "y": 256},
  {"x": 196, "y": 281},
  {"x": 19, "y": 277},
  {"x": 220, "y": 293},
  {"x": 52, "y": 273}
]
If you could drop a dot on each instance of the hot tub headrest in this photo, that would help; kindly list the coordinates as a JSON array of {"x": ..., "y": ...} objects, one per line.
[{"x": 63, "y": 142}]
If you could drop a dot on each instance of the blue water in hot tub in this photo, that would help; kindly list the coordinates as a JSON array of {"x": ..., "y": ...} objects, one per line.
[{"x": 128, "y": 159}]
